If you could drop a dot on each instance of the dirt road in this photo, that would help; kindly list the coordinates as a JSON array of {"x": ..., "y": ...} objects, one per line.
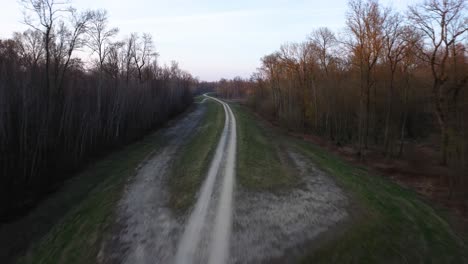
[
  {"x": 227, "y": 224},
  {"x": 222, "y": 165}
]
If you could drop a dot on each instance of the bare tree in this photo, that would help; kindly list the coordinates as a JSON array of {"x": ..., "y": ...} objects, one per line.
[
  {"x": 409, "y": 64},
  {"x": 324, "y": 39},
  {"x": 364, "y": 22},
  {"x": 32, "y": 46},
  {"x": 143, "y": 52},
  {"x": 112, "y": 63},
  {"x": 100, "y": 37},
  {"x": 128, "y": 55},
  {"x": 443, "y": 23},
  {"x": 271, "y": 71},
  {"x": 394, "y": 52},
  {"x": 70, "y": 40},
  {"x": 46, "y": 13}
]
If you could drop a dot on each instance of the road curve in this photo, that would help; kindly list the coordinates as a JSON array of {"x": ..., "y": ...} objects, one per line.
[{"x": 222, "y": 165}]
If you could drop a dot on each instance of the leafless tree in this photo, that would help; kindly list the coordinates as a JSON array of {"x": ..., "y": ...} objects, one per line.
[
  {"x": 364, "y": 22},
  {"x": 143, "y": 52},
  {"x": 444, "y": 24},
  {"x": 69, "y": 39},
  {"x": 100, "y": 37},
  {"x": 128, "y": 54},
  {"x": 32, "y": 46},
  {"x": 324, "y": 39},
  {"x": 42, "y": 16},
  {"x": 395, "y": 45}
]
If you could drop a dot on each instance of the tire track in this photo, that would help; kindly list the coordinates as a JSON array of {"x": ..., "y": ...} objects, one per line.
[
  {"x": 222, "y": 232},
  {"x": 190, "y": 240}
]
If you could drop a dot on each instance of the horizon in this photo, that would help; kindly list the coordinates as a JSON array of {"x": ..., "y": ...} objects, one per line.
[{"x": 212, "y": 40}]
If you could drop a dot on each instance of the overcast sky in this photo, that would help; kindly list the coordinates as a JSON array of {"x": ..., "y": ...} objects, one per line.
[{"x": 211, "y": 38}]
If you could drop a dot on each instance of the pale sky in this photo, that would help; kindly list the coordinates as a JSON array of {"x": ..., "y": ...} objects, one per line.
[{"x": 211, "y": 39}]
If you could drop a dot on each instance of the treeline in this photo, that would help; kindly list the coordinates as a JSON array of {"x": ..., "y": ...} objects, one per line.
[
  {"x": 235, "y": 88},
  {"x": 387, "y": 78},
  {"x": 57, "y": 111},
  {"x": 204, "y": 87}
]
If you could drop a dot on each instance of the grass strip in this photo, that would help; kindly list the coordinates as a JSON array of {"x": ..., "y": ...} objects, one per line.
[
  {"x": 191, "y": 166},
  {"x": 259, "y": 164}
]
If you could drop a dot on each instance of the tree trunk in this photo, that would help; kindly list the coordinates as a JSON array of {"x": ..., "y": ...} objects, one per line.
[
  {"x": 404, "y": 118},
  {"x": 361, "y": 118},
  {"x": 438, "y": 100},
  {"x": 389, "y": 113}
]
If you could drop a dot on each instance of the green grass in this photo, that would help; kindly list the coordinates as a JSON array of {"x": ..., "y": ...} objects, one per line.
[
  {"x": 190, "y": 167},
  {"x": 388, "y": 224},
  {"x": 260, "y": 165},
  {"x": 90, "y": 199},
  {"x": 198, "y": 99},
  {"x": 393, "y": 226}
]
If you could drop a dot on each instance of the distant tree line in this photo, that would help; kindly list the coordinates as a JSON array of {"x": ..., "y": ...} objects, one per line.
[
  {"x": 387, "y": 78},
  {"x": 204, "y": 87},
  {"x": 235, "y": 88},
  {"x": 57, "y": 111}
]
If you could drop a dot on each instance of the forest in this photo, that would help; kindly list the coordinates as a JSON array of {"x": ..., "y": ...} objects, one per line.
[
  {"x": 386, "y": 80},
  {"x": 344, "y": 140},
  {"x": 71, "y": 91}
]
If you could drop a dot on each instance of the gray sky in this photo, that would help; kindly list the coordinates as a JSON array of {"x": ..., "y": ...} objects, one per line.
[{"x": 211, "y": 39}]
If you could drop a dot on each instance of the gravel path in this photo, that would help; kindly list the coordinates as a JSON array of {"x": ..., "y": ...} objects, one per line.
[
  {"x": 214, "y": 248},
  {"x": 146, "y": 231}
]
